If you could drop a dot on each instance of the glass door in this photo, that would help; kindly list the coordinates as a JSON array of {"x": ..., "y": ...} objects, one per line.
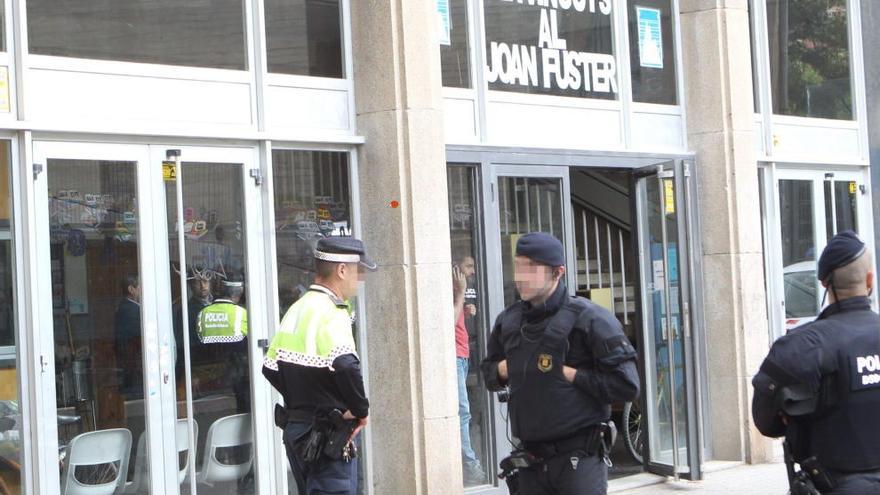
[
  {"x": 663, "y": 212},
  {"x": 208, "y": 197},
  {"x": 529, "y": 199},
  {"x": 521, "y": 199},
  {"x": 813, "y": 206},
  {"x": 98, "y": 324},
  {"x": 150, "y": 354}
]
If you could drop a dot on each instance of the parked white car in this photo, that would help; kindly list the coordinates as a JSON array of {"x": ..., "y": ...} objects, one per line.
[{"x": 801, "y": 296}]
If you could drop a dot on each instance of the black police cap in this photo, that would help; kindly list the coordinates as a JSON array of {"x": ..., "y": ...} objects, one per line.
[
  {"x": 343, "y": 249},
  {"x": 541, "y": 247},
  {"x": 842, "y": 249}
]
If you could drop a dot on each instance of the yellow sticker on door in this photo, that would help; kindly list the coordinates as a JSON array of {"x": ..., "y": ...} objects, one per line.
[
  {"x": 169, "y": 171},
  {"x": 669, "y": 193}
]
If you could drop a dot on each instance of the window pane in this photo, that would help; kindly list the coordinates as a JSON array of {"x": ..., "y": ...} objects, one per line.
[
  {"x": 841, "y": 212},
  {"x": 525, "y": 205},
  {"x": 565, "y": 52},
  {"x": 312, "y": 201},
  {"x": 2, "y": 26},
  {"x": 755, "y": 63},
  {"x": 798, "y": 250},
  {"x": 213, "y": 235},
  {"x": 304, "y": 37},
  {"x": 454, "y": 49},
  {"x": 652, "y": 52},
  {"x": 809, "y": 58},
  {"x": 471, "y": 323},
  {"x": 10, "y": 416},
  {"x": 198, "y": 33},
  {"x": 96, "y": 307}
]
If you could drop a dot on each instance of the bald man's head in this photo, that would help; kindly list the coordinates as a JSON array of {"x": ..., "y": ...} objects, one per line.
[{"x": 854, "y": 279}]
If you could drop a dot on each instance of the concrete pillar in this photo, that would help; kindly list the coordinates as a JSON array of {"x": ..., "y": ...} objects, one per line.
[
  {"x": 412, "y": 375},
  {"x": 871, "y": 43},
  {"x": 720, "y": 109}
]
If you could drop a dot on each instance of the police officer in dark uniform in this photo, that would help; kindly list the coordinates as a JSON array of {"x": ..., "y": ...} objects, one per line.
[
  {"x": 565, "y": 360},
  {"x": 820, "y": 384}
]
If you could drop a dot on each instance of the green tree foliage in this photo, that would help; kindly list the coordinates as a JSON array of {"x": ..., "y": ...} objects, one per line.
[{"x": 818, "y": 67}]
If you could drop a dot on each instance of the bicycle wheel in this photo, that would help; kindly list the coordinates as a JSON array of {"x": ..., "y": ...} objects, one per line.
[{"x": 633, "y": 433}]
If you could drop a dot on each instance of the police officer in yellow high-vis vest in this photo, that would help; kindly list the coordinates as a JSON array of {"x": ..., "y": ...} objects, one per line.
[
  {"x": 313, "y": 362},
  {"x": 222, "y": 330}
]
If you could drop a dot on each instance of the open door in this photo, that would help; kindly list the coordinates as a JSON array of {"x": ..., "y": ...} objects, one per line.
[{"x": 668, "y": 400}]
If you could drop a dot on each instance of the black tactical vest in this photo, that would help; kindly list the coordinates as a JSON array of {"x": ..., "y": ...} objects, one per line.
[
  {"x": 543, "y": 405},
  {"x": 845, "y": 432}
]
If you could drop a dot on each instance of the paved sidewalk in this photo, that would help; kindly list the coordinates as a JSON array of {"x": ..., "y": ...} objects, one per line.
[{"x": 760, "y": 479}]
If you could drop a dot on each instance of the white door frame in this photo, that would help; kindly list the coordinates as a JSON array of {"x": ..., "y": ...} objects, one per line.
[
  {"x": 248, "y": 158},
  {"x": 494, "y": 278},
  {"x": 776, "y": 173},
  {"x": 160, "y": 398},
  {"x": 161, "y": 467}
]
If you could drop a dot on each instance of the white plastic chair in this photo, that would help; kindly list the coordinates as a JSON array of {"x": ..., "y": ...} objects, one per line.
[
  {"x": 141, "y": 483},
  {"x": 230, "y": 431},
  {"x": 94, "y": 448}
]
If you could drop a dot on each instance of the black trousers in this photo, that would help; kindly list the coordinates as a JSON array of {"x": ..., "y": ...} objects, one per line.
[
  {"x": 324, "y": 477},
  {"x": 563, "y": 476},
  {"x": 858, "y": 484}
]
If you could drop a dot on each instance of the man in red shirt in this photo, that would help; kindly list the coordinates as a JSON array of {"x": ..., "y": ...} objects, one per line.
[{"x": 462, "y": 271}]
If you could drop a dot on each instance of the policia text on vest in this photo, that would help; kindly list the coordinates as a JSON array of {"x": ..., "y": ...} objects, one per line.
[{"x": 564, "y": 360}]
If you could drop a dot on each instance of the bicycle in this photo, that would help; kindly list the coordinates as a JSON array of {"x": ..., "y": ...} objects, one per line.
[{"x": 633, "y": 433}]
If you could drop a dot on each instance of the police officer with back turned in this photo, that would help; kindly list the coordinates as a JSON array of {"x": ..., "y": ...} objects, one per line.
[
  {"x": 565, "y": 360},
  {"x": 820, "y": 384}
]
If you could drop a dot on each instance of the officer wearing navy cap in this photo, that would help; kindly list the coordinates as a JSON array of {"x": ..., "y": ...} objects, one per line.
[
  {"x": 820, "y": 385},
  {"x": 564, "y": 360},
  {"x": 313, "y": 362}
]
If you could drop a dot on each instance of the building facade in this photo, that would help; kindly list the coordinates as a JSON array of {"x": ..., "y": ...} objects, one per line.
[{"x": 694, "y": 156}]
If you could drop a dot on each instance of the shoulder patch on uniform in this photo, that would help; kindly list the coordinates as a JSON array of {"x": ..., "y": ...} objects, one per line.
[{"x": 865, "y": 371}]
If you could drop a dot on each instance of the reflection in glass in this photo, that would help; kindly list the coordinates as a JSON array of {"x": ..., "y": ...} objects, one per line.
[
  {"x": 756, "y": 64},
  {"x": 526, "y": 205},
  {"x": 3, "y": 27},
  {"x": 304, "y": 37},
  {"x": 197, "y": 33},
  {"x": 666, "y": 399},
  {"x": 652, "y": 52},
  {"x": 10, "y": 414},
  {"x": 809, "y": 58},
  {"x": 312, "y": 201},
  {"x": 798, "y": 250},
  {"x": 520, "y": 59},
  {"x": 840, "y": 207},
  {"x": 96, "y": 306},
  {"x": 215, "y": 324},
  {"x": 455, "y": 55},
  {"x": 471, "y": 323}
]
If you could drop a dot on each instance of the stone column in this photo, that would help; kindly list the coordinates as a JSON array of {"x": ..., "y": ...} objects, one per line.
[
  {"x": 402, "y": 171},
  {"x": 720, "y": 109},
  {"x": 871, "y": 43}
]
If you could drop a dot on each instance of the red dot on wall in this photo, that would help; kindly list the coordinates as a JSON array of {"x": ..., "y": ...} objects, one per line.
[{"x": 394, "y": 203}]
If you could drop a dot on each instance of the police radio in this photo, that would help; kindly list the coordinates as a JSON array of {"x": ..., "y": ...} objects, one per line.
[{"x": 504, "y": 395}]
